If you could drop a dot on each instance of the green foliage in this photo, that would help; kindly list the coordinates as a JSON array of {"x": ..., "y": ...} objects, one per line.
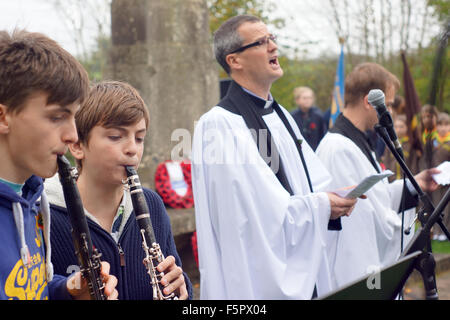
[
  {"x": 71, "y": 158},
  {"x": 97, "y": 60},
  {"x": 442, "y": 8},
  {"x": 440, "y": 246},
  {"x": 437, "y": 246},
  {"x": 421, "y": 63},
  {"x": 317, "y": 74},
  {"x": 222, "y": 10}
]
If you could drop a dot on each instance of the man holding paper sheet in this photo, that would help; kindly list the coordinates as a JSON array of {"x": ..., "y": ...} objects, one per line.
[
  {"x": 371, "y": 238},
  {"x": 261, "y": 222}
]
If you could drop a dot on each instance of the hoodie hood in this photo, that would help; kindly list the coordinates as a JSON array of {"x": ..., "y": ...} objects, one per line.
[
  {"x": 53, "y": 190},
  {"x": 31, "y": 192}
]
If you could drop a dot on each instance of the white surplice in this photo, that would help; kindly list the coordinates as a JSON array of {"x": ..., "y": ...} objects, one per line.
[
  {"x": 255, "y": 240},
  {"x": 370, "y": 238}
]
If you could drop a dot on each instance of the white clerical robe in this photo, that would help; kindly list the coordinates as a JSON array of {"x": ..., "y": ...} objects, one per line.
[
  {"x": 370, "y": 238},
  {"x": 255, "y": 240}
]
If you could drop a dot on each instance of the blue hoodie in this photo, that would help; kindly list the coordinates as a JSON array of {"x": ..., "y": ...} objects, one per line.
[{"x": 25, "y": 270}]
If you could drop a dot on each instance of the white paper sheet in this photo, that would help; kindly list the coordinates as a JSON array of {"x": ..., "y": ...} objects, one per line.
[
  {"x": 443, "y": 178},
  {"x": 367, "y": 183}
]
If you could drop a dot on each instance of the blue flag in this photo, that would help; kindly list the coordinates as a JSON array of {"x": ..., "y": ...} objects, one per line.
[{"x": 337, "y": 103}]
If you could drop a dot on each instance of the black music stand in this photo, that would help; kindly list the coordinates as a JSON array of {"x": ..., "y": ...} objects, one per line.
[{"x": 384, "y": 285}]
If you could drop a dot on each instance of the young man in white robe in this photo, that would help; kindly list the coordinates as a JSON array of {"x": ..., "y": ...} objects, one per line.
[
  {"x": 261, "y": 231},
  {"x": 371, "y": 238}
]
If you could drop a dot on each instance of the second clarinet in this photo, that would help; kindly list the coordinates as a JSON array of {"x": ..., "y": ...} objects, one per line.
[{"x": 152, "y": 250}]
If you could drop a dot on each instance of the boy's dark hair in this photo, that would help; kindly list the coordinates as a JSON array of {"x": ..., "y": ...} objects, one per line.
[
  {"x": 365, "y": 77},
  {"x": 30, "y": 63},
  {"x": 110, "y": 104}
]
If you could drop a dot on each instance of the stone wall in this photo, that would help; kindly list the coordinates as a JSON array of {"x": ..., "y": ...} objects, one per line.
[{"x": 164, "y": 49}]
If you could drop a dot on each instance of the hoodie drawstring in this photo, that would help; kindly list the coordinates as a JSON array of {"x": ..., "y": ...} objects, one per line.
[
  {"x": 18, "y": 219},
  {"x": 20, "y": 226},
  {"x": 45, "y": 211}
]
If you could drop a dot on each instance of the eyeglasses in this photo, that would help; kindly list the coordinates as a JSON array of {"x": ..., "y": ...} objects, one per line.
[{"x": 262, "y": 42}]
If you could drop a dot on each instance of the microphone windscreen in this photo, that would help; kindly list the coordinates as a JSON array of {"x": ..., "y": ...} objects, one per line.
[{"x": 376, "y": 97}]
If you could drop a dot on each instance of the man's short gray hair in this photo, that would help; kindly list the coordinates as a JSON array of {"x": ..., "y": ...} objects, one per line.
[{"x": 227, "y": 38}]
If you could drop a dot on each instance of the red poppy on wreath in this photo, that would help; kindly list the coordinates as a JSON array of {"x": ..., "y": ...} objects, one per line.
[
  {"x": 194, "y": 247},
  {"x": 173, "y": 183},
  {"x": 312, "y": 125}
]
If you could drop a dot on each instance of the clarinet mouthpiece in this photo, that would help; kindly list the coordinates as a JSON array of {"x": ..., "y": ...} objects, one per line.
[{"x": 130, "y": 170}]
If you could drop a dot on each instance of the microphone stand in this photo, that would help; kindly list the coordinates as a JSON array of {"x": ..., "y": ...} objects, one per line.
[{"x": 428, "y": 216}]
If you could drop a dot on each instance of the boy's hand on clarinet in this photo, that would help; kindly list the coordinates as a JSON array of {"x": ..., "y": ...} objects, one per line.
[
  {"x": 173, "y": 279},
  {"x": 78, "y": 288}
]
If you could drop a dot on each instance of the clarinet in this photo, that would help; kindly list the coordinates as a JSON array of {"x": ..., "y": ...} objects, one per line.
[
  {"x": 153, "y": 254},
  {"x": 88, "y": 257}
]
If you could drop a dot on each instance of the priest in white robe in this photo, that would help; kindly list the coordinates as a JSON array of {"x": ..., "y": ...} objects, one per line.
[
  {"x": 261, "y": 231},
  {"x": 371, "y": 238}
]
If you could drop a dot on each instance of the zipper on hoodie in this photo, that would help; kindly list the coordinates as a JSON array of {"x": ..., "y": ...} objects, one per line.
[
  {"x": 96, "y": 226},
  {"x": 121, "y": 255},
  {"x": 119, "y": 247}
]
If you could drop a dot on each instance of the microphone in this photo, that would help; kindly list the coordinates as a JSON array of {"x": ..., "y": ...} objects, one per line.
[{"x": 377, "y": 100}]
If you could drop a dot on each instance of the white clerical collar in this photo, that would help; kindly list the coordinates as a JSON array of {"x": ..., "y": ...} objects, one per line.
[{"x": 268, "y": 102}]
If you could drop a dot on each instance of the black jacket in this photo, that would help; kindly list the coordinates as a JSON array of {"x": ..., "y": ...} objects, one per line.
[{"x": 126, "y": 256}]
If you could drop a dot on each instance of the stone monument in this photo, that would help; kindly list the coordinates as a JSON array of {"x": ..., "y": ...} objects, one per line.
[{"x": 164, "y": 49}]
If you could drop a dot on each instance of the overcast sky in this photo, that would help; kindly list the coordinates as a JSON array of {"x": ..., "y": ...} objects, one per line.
[
  {"x": 307, "y": 21},
  {"x": 34, "y": 15},
  {"x": 39, "y": 16}
]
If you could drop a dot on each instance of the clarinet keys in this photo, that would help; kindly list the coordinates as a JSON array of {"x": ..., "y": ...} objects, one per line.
[{"x": 153, "y": 256}]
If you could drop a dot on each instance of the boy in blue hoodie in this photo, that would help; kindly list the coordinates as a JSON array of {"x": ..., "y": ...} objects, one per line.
[{"x": 41, "y": 87}]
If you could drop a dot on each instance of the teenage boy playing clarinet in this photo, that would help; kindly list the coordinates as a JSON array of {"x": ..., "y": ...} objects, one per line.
[
  {"x": 112, "y": 123},
  {"x": 41, "y": 87}
]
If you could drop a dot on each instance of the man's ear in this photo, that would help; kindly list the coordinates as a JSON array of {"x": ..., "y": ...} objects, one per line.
[
  {"x": 367, "y": 105},
  {"x": 4, "y": 123},
  {"x": 76, "y": 150},
  {"x": 233, "y": 61}
]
